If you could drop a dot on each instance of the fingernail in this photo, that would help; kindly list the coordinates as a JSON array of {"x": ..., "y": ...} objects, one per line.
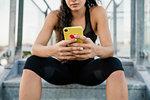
[
  {"x": 71, "y": 36},
  {"x": 81, "y": 48},
  {"x": 75, "y": 35},
  {"x": 75, "y": 39}
]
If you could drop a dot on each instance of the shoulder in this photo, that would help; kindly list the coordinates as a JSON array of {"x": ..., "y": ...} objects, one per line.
[
  {"x": 53, "y": 13},
  {"x": 52, "y": 17},
  {"x": 97, "y": 8},
  {"x": 98, "y": 12}
]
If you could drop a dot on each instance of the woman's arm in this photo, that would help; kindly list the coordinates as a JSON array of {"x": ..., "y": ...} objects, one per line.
[
  {"x": 40, "y": 47},
  {"x": 104, "y": 52},
  {"x": 106, "y": 49},
  {"x": 58, "y": 50}
]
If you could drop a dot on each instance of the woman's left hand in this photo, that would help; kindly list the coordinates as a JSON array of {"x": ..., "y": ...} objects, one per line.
[{"x": 88, "y": 48}]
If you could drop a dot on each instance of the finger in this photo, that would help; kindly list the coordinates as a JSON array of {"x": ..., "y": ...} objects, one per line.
[
  {"x": 66, "y": 42},
  {"x": 66, "y": 54},
  {"x": 64, "y": 49},
  {"x": 82, "y": 38},
  {"x": 85, "y": 51},
  {"x": 84, "y": 56},
  {"x": 67, "y": 57},
  {"x": 80, "y": 45}
]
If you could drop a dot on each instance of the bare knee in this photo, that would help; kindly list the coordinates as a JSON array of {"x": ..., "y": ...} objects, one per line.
[
  {"x": 117, "y": 75},
  {"x": 30, "y": 75}
]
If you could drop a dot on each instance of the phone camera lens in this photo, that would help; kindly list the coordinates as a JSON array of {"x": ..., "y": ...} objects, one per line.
[{"x": 66, "y": 30}]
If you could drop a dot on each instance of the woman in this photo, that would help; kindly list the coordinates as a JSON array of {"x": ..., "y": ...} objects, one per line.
[{"x": 47, "y": 62}]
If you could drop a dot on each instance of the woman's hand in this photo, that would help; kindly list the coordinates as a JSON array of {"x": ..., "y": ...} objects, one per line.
[
  {"x": 63, "y": 51},
  {"x": 88, "y": 51}
]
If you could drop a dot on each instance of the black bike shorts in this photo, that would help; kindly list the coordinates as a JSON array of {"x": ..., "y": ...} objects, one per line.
[{"x": 88, "y": 72}]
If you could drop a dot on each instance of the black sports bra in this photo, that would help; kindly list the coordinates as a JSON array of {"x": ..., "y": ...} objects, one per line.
[{"x": 88, "y": 31}]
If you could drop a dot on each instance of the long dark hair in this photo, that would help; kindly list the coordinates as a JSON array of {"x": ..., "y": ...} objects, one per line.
[{"x": 64, "y": 21}]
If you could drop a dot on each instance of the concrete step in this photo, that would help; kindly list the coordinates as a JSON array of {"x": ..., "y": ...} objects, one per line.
[
  {"x": 1, "y": 69},
  {"x": 148, "y": 68},
  {"x": 136, "y": 90}
]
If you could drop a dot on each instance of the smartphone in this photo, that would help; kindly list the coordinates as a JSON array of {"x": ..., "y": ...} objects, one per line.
[{"x": 69, "y": 32}]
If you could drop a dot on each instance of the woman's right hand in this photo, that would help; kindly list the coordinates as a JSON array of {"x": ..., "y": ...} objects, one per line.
[{"x": 61, "y": 50}]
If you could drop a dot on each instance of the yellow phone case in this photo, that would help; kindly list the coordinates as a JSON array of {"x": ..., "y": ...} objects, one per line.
[{"x": 69, "y": 32}]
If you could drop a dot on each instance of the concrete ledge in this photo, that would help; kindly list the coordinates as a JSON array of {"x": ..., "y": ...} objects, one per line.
[
  {"x": 136, "y": 90},
  {"x": 136, "y": 87},
  {"x": 132, "y": 84}
]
